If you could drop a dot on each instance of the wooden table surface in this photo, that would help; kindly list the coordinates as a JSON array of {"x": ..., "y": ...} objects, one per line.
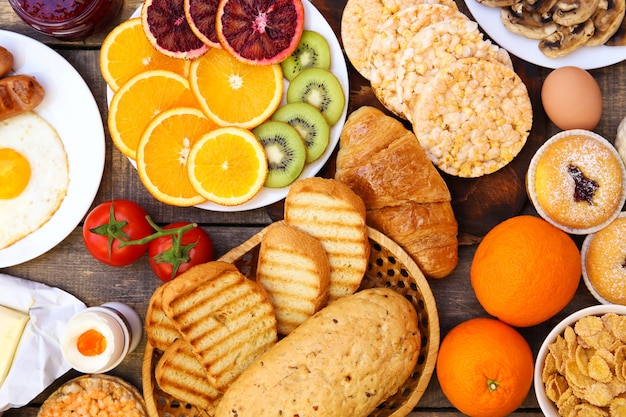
[{"x": 70, "y": 267}]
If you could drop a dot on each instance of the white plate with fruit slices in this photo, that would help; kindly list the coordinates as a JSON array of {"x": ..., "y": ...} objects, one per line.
[
  {"x": 70, "y": 108},
  {"x": 313, "y": 20}
]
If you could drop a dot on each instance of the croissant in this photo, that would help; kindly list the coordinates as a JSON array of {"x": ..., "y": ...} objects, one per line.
[{"x": 405, "y": 197}]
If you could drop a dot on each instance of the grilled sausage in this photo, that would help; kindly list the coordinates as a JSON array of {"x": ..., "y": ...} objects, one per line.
[
  {"x": 18, "y": 94},
  {"x": 6, "y": 61}
]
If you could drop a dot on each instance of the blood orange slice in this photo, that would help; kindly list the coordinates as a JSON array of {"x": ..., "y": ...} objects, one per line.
[
  {"x": 201, "y": 16},
  {"x": 167, "y": 29},
  {"x": 260, "y": 32}
]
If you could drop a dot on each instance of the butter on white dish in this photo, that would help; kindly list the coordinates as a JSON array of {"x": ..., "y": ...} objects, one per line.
[
  {"x": 38, "y": 361},
  {"x": 13, "y": 324}
]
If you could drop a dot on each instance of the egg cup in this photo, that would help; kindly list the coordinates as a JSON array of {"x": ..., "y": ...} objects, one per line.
[
  {"x": 118, "y": 324},
  {"x": 577, "y": 181}
]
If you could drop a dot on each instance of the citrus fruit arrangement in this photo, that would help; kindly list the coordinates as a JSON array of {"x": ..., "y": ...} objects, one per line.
[
  {"x": 524, "y": 272},
  {"x": 208, "y": 117}
]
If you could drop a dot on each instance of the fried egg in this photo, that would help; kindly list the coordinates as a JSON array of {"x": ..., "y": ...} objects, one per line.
[{"x": 34, "y": 175}]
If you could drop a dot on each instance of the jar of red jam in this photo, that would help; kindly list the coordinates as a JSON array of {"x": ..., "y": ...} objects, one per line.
[{"x": 66, "y": 19}]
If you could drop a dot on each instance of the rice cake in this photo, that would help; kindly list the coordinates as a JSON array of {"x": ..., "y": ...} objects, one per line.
[
  {"x": 473, "y": 117},
  {"x": 94, "y": 395},
  {"x": 435, "y": 47},
  {"x": 389, "y": 42},
  {"x": 359, "y": 20}
]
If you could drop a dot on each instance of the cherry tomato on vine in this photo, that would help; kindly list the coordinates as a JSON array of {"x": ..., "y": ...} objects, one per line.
[
  {"x": 170, "y": 256},
  {"x": 112, "y": 223}
]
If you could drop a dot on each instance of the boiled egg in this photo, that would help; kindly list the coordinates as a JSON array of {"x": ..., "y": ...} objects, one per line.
[
  {"x": 34, "y": 175},
  {"x": 93, "y": 341}
]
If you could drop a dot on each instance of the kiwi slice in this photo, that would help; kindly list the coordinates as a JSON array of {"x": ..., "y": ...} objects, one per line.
[
  {"x": 312, "y": 51},
  {"x": 320, "y": 88},
  {"x": 285, "y": 152},
  {"x": 310, "y": 124}
]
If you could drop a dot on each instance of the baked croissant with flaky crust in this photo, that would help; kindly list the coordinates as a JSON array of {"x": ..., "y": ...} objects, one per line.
[{"x": 405, "y": 197}]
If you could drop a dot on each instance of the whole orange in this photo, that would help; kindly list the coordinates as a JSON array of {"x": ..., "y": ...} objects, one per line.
[
  {"x": 485, "y": 368},
  {"x": 525, "y": 271}
]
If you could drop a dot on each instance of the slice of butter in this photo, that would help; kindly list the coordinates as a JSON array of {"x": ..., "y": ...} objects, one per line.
[{"x": 12, "y": 324}]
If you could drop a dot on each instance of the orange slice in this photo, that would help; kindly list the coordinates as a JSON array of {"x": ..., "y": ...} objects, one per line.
[
  {"x": 228, "y": 166},
  {"x": 163, "y": 153},
  {"x": 139, "y": 100},
  {"x": 233, "y": 93},
  {"x": 126, "y": 52}
]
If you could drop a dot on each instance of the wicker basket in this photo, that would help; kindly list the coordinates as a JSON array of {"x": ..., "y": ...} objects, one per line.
[{"x": 389, "y": 266}]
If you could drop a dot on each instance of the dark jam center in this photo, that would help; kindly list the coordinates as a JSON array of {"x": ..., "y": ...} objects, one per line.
[
  {"x": 584, "y": 188},
  {"x": 54, "y": 10}
]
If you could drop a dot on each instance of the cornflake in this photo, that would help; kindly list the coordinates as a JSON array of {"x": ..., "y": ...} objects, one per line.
[{"x": 584, "y": 373}]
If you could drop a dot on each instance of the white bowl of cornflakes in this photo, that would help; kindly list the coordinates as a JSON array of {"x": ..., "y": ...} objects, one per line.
[{"x": 581, "y": 366}]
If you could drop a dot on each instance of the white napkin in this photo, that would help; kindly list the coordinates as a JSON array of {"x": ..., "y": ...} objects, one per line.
[{"x": 38, "y": 360}]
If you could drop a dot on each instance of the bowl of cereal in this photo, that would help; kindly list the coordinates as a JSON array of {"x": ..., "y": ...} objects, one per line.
[{"x": 581, "y": 366}]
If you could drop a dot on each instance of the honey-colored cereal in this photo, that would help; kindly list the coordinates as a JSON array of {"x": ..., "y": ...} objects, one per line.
[{"x": 591, "y": 382}]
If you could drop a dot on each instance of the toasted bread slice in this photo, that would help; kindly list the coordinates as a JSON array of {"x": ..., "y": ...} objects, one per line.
[
  {"x": 180, "y": 373},
  {"x": 330, "y": 211},
  {"x": 160, "y": 329},
  {"x": 227, "y": 318},
  {"x": 293, "y": 267}
]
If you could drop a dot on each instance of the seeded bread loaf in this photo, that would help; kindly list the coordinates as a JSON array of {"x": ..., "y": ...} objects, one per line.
[
  {"x": 293, "y": 267},
  {"x": 341, "y": 362}
]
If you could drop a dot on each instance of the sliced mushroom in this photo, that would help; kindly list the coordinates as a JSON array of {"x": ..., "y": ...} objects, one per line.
[
  {"x": 539, "y": 6},
  {"x": 607, "y": 20},
  {"x": 566, "y": 39},
  {"x": 573, "y": 12},
  {"x": 619, "y": 37},
  {"x": 527, "y": 24},
  {"x": 497, "y": 3}
]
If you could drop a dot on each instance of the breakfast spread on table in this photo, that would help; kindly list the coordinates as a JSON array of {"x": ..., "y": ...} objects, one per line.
[{"x": 306, "y": 317}]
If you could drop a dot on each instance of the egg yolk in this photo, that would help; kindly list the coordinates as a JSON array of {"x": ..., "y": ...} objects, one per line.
[
  {"x": 91, "y": 343},
  {"x": 14, "y": 173}
]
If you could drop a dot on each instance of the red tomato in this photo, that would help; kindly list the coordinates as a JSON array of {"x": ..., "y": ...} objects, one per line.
[
  {"x": 110, "y": 224},
  {"x": 170, "y": 256}
]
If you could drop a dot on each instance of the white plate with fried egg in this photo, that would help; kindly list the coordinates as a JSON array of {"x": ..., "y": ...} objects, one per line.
[{"x": 69, "y": 110}]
